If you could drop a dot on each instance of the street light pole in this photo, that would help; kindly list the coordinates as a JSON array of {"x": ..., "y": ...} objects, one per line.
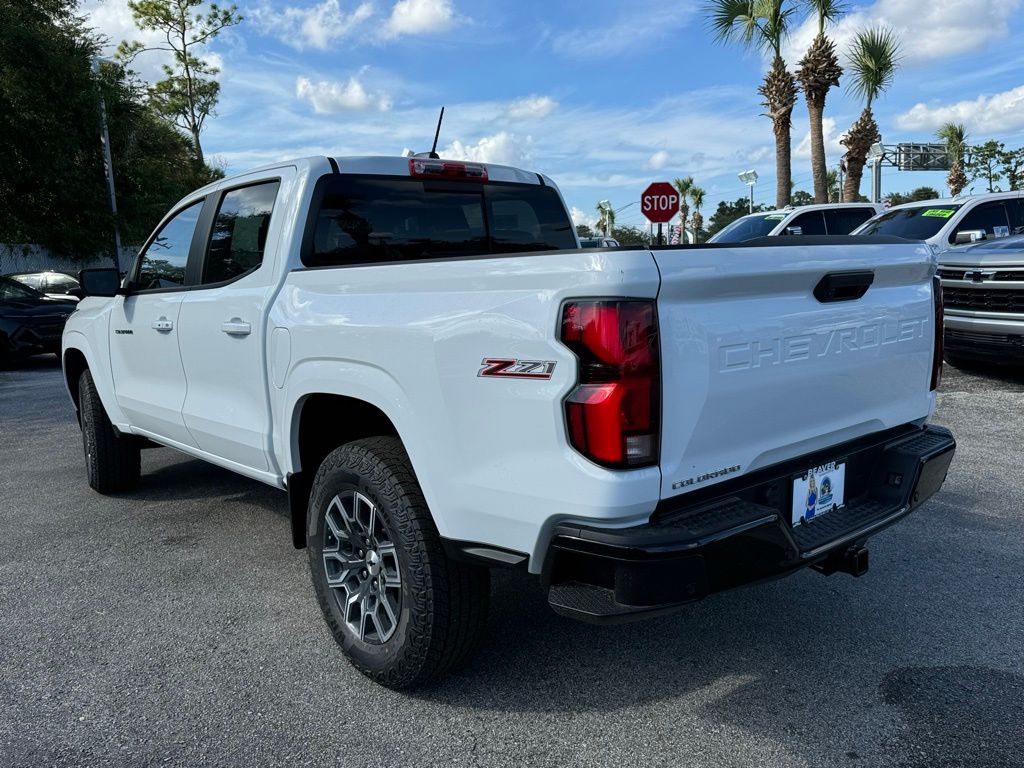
[
  {"x": 108, "y": 165},
  {"x": 750, "y": 179}
]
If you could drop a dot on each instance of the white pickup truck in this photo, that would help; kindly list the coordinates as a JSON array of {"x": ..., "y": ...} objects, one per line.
[{"x": 419, "y": 352}]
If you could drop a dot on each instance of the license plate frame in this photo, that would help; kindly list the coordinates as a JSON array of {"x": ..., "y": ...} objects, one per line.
[{"x": 827, "y": 495}]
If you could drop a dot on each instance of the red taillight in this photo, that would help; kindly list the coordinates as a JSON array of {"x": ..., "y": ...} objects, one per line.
[
  {"x": 937, "y": 359},
  {"x": 613, "y": 414},
  {"x": 447, "y": 169}
]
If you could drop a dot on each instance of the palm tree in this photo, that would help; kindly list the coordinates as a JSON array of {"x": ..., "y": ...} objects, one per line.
[
  {"x": 833, "y": 185},
  {"x": 818, "y": 71},
  {"x": 955, "y": 137},
  {"x": 607, "y": 220},
  {"x": 697, "y": 198},
  {"x": 873, "y": 58},
  {"x": 764, "y": 25},
  {"x": 683, "y": 186}
]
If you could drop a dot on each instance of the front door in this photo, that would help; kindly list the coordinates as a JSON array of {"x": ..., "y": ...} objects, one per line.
[{"x": 149, "y": 380}]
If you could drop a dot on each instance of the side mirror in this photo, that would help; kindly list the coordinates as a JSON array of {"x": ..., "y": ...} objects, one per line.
[
  {"x": 794, "y": 230},
  {"x": 99, "y": 282},
  {"x": 965, "y": 236}
]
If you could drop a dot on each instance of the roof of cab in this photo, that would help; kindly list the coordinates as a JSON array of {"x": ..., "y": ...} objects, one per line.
[{"x": 381, "y": 165}]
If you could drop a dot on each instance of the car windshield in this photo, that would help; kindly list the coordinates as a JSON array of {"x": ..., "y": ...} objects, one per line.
[
  {"x": 749, "y": 227},
  {"x": 918, "y": 223},
  {"x": 12, "y": 289}
]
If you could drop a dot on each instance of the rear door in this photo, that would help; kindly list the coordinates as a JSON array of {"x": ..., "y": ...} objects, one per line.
[
  {"x": 149, "y": 381},
  {"x": 757, "y": 370},
  {"x": 223, "y": 327}
]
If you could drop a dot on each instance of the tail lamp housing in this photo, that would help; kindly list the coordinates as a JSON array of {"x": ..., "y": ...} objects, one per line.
[
  {"x": 939, "y": 350},
  {"x": 613, "y": 415}
]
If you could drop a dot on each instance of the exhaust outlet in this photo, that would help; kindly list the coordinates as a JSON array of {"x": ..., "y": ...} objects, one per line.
[{"x": 853, "y": 561}]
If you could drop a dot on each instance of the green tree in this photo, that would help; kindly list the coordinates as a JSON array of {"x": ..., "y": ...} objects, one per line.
[
  {"x": 985, "y": 164},
  {"x": 763, "y": 25},
  {"x": 800, "y": 197},
  {"x": 727, "y": 213},
  {"x": 954, "y": 136},
  {"x": 819, "y": 71},
  {"x": 188, "y": 93},
  {"x": 873, "y": 58},
  {"x": 50, "y": 154},
  {"x": 1012, "y": 162},
  {"x": 697, "y": 220},
  {"x": 683, "y": 187},
  {"x": 630, "y": 235},
  {"x": 584, "y": 230},
  {"x": 834, "y": 192},
  {"x": 917, "y": 195}
]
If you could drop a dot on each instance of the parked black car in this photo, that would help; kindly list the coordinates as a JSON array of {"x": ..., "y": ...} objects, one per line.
[
  {"x": 54, "y": 284},
  {"x": 30, "y": 322}
]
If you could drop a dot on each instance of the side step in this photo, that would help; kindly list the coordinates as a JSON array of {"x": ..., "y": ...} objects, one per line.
[{"x": 596, "y": 605}]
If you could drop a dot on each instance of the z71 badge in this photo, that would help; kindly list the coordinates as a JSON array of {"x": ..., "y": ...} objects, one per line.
[{"x": 517, "y": 369}]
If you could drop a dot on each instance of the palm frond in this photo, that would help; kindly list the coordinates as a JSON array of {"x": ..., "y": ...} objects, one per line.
[
  {"x": 873, "y": 57},
  {"x": 697, "y": 197},
  {"x": 683, "y": 186},
  {"x": 733, "y": 20},
  {"x": 826, "y": 11},
  {"x": 954, "y": 135}
]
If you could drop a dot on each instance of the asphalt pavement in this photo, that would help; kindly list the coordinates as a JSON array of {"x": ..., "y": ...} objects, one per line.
[{"x": 177, "y": 626}]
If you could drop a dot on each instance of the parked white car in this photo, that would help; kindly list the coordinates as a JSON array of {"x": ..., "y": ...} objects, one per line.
[
  {"x": 819, "y": 219},
  {"x": 420, "y": 354},
  {"x": 945, "y": 223}
]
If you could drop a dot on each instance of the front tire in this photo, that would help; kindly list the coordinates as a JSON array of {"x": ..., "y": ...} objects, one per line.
[
  {"x": 402, "y": 611},
  {"x": 112, "y": 462}
]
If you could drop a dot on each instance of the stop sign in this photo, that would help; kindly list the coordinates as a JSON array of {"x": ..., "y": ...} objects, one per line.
[{"x": 659, "y": 202}]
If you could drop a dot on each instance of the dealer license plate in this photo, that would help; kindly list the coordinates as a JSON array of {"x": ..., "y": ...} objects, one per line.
[{"x": 819, "y": 491}]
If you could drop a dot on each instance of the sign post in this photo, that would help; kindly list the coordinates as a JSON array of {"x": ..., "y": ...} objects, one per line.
[{"x": 659, "y": 203}]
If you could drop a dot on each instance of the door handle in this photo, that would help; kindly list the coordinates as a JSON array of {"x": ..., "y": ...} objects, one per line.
[
  {"x": 163, "y": 325},
  {"x": 236, "y": 327}
]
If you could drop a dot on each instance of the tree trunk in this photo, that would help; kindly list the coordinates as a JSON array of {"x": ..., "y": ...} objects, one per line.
[
  {"x": 858, "y": 141},
  {"x": 779, "y": 90},
  {"x": 198, "y": 147},
  {"x": 819, "y": 168}
]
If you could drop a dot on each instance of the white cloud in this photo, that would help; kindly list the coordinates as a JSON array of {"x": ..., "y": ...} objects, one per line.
[
  {"x": 319, "y": 26},
  {"x": 658, "y": 160},
  {"x": 502, "y": 148},
  {"x": 411, "y": 17},
  {"x": 532, "y": 107},
  {"x": 833, "y": 149},
  {"x": 999, "y": 113},
  {"x": 929, "y": 31},
  {"x": 639, "y": 24},
  {"x": 113, "y": 19},
  {"x": 579, "y": 216},
  {"x": 328, "y": 96}
]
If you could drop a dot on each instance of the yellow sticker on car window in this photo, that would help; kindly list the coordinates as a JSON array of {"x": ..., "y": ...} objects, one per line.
[{"x": 942, "y": 213}]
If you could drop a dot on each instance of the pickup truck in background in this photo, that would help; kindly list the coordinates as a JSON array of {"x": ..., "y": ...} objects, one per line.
[
  {"x": 814, "y": 219},
  {"x": 421, "y": 355}
]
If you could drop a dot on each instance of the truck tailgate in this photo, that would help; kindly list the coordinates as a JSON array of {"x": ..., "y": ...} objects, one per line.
[{"x": 757, "y": 370}]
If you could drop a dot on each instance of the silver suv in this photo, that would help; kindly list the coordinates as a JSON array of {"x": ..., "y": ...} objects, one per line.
[{"x": 983, "y": 292}]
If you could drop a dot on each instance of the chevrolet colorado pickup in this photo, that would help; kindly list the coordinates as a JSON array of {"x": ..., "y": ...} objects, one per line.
[{"x": 421, "y": 355}]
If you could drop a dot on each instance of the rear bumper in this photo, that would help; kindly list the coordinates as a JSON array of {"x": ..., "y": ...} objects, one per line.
[{"x": 699, "y": 544}]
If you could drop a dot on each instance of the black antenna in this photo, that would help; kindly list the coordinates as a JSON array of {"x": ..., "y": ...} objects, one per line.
[{"x": 437, "y": 133}]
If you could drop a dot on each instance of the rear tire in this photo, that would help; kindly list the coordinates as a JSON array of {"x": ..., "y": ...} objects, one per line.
[
  {"x": 112, "y": 461},
  {"x": 402, "y": 611}
]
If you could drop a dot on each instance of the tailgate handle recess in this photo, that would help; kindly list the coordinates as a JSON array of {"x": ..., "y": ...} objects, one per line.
[{"x": 843, "y": 286}]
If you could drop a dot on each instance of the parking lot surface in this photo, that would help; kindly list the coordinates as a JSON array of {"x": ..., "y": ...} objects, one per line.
[{"x": 177, "y": 625}]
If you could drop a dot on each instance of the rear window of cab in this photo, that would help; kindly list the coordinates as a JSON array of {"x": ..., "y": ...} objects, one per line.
[{"x": 379, "y": 219}]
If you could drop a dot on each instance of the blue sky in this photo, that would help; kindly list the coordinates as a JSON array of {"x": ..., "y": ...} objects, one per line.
[{"x": 603, "y": 96}]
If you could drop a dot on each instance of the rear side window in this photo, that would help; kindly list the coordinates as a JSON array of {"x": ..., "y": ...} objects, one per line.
[
  {"x": 239, "y": 235},
  {"x": 162, "y": 264},
  {"x": 842, "y": 221},
  {"x": 366, "y": 220},
  {"x": 810, "y": 223},
  {"x": 990, "y": 217}
]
